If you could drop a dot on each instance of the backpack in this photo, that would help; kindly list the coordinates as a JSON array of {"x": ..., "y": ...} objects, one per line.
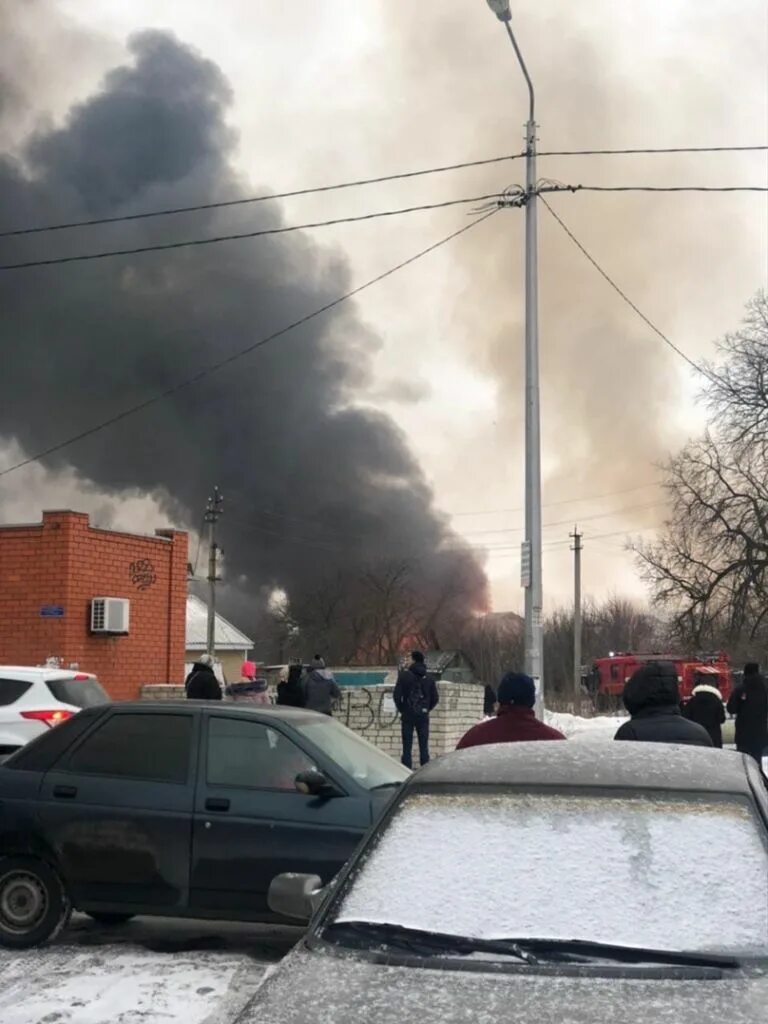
[{"x": 416, "y": 699}]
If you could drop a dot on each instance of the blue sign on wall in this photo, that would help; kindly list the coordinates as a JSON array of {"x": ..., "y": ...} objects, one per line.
[{"x": 52, "y": 611}]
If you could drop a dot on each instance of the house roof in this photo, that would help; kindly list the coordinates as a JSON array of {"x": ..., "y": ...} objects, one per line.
[{"x": 227, "y": 636}]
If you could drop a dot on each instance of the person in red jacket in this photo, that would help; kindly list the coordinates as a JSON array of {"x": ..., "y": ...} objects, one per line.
[{"x": 515, "y": 721}]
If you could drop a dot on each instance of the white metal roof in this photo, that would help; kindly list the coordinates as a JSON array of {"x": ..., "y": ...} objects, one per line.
[{"x": 228, "y": 637}]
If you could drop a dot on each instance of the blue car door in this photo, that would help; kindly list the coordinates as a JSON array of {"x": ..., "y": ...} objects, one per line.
[{"x": 251, "y": 823}]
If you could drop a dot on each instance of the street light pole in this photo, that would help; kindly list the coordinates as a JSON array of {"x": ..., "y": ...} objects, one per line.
[{"x": 531, "y": 552}]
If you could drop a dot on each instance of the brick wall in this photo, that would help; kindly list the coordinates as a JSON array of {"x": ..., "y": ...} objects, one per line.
[
  {"x": 369, "y": 711},
  {"x": 66, "y": 563}
]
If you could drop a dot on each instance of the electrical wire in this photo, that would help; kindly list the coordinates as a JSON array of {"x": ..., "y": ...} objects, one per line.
[
  {"x": 561, "y": 501},
  {"x": 565, "y": 522},
  {"x": 624, "y": 296},
  {"x": 652, "y": 188},
  {"x": 228, "y": 360},
  {"x": 381, "y": 179},
  {"x": 79, "y": 258}
]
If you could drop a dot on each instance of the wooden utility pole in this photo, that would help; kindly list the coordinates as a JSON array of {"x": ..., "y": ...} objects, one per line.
[
  {"x": 212, "y": 513},
  {"x": 577, "y": 549}
]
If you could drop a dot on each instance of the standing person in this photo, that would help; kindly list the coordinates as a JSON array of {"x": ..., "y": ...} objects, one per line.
[
  {"x": 706, "y": 707},
  {"x": 515, "y": 721},
  {"x": 320, "y": 688},
  {"x": 489, "y": 701},
  {"x": 202, "y": 683},
  {"x": 415, "y": 696},
  {"x": 749, "y": 703},
  {"x": 652, "y": 698},
  {"x": 291, "y": 692},
  {"x": 250, "y": 689}
]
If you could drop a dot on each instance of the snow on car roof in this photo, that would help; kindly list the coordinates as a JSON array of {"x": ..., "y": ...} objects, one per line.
[{"x": 616, "y": 765}]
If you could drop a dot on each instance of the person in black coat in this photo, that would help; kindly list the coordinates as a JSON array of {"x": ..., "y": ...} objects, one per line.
[
  {"x": 706, "y": 707},
  {"x": 652, "y": 698},
  {"x": 489, "y": 701},
  {"x": 201, "y": 683},
  {"x": 292, "y": 692},
  {"x": 749, "y": 703},
  {"x": 415, "y": 696}
]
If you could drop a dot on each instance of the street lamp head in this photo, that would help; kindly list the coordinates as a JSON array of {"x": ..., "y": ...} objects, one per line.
[{"x": 501, "y": 9}]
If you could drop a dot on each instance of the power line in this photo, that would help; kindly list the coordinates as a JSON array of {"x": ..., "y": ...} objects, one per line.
[
  {"x": 381, "y": 179},
  {"x": 652, "y": 188},
  {"x": 566, "y": 522},
  {"x": 220, "y": 364},
  {"x": 624, "y": 295},
  {"x": 246, "y": 234},
  {"x": 561, "y": 501}
]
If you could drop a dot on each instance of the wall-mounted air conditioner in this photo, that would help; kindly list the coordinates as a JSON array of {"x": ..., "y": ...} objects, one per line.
[{"x": 110, "y": 615}]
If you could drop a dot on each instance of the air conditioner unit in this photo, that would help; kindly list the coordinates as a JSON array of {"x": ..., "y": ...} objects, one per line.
[{"x": 110, "y": 615}]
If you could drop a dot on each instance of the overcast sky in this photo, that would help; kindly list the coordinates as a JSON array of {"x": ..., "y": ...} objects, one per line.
[{"x": 337, "y": 90}]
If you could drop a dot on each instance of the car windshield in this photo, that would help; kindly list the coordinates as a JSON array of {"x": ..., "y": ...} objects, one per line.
[
  {"x": 368, "y": 766},
  {"x": 636, "y": 870},
  {"x": 81, "y": 693}
]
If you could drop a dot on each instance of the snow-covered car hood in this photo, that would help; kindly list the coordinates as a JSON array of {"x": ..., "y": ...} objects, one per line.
[{"x": 329, "y": 989}]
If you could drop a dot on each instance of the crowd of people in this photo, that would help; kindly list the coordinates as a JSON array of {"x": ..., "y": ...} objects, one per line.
[{"x": 310, "y": 686}]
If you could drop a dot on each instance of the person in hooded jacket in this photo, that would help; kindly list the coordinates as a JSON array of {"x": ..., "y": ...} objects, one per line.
[
  {"x": 749, "y": 703},
  {"x": 291, "y": 692},
  {"x": 201, "y": 683},
  {"x": 706, "y": 707},
  {"x": 652, "y": 698},
  {"x": 415, "y": 696},
  {"x": 320, "y": 688},
  {"x": 251, "y": 688}
]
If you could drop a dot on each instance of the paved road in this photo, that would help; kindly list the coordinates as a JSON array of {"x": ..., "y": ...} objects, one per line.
[{"x": 149, "y": 971}]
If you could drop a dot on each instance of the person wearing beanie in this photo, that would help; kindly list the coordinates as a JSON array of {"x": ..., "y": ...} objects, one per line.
[
  {"x": 652, "y": 698},
  {"x": 320, "y": 689},
  {"x": 250, "y": 689},
  {"x": 202, "y": 683},
  {"x": 515, "y": 721},
  {"x": 749, "y": 704},
  {"x": 415, "y": 696}
]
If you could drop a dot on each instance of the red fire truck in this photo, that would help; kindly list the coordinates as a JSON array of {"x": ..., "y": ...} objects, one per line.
[{"x": 606, "y": 680}]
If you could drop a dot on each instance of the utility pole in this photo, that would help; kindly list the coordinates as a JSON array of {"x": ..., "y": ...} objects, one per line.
[
  {"x": 212, "y": 513},
  {"x": 531, "y": 557},
  {"x": 577, "y": 549}
]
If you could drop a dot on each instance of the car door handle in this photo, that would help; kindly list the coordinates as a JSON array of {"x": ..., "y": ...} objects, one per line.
[
  {"x": 65, "y": 791},
  {"x": 217, "y": 804}
]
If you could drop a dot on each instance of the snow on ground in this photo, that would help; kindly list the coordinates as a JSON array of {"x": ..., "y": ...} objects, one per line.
[
  {"x": 149, "y": 971},
  {"x": 575, "y": 728}
]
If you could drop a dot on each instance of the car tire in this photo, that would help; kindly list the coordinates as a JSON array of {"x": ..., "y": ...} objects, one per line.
[
  {"x": 34, "y": 904},
  {"x": 107, "y": 918}
]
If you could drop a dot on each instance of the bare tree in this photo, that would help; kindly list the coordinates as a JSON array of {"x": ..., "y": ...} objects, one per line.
[{"x": 709, "y": 569}]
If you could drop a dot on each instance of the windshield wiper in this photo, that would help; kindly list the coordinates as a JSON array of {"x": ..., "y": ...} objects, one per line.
[
  {"x": 573, "y": 950},
  {"x": 421, "y": 943},
  {"x": 385, "y": 785}
]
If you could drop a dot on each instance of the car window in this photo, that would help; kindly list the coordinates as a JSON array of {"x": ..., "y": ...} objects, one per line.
[
  {"x": 11, "y": 690},
  {"x": 366, "y": 764},
  {"x": 641, "y": 870},
  {"x": 252, "y": 755},
  {"x": 137, "y": 746},
  {"x": 42, "y": 752},
  {"x": 82, "y": 693}
]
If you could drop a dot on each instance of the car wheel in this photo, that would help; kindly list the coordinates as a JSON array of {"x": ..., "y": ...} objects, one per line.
[
  {"x": 34, "y": 905},
  {"x": 108, "y": 919}
]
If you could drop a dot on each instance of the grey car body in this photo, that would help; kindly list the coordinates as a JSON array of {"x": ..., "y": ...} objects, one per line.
[{"x": 345, "y": 985}]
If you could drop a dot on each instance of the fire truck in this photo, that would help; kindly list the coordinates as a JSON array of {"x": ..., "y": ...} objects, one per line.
[{"x": 606, "y": 680}]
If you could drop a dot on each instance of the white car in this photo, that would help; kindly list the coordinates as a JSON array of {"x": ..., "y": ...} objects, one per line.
[{"x": 33, "y": 700}]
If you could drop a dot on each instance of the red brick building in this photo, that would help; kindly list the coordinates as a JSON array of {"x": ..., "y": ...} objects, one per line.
[{"x": 51, "y": 572}]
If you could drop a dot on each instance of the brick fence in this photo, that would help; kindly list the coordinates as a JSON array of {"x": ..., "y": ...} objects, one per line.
[{"x": 370, "y": 712}]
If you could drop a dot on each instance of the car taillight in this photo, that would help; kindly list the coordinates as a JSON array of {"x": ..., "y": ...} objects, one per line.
[
  {"x": 81, "y": 677},
  {"x": 50, "y": 718}
]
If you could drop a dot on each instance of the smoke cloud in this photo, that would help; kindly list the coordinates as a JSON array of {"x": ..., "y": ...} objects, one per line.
[{"x": 310, "y": 481}]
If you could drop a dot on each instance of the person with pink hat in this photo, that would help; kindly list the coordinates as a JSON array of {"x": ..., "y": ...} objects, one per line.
[{"x": 251, "y": 688}]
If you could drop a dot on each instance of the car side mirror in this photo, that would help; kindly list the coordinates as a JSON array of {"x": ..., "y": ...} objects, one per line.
[
  {"x": 295, "y": 896},
  {"x": 314, "y": 783}
]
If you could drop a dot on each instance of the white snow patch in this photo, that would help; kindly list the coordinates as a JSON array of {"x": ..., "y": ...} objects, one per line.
[
  {"x": 575, "y": 727},
  {"x": 639, "y": 871}
]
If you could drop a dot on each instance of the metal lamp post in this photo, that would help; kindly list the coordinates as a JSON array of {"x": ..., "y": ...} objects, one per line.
[{"x": 531, "y": 550}]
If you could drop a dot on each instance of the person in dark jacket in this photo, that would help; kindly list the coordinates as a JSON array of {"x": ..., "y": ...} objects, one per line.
[
  {"x": 489, "y": 701},
  {"x": 320, "y": 688},
  {"x": 515, "y": 721},
  {"x": 415, "y": 696},
  {"x": 749, "y": 703},
  {"x": 706, "y": 707},
  {"x": 291, "y": 692},
  {"x": 201, "y": 683},
  {"x": 652, "y": 698}
]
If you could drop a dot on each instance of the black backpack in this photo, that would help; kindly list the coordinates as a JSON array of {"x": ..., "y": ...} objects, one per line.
[{"x": 416, "y": 698}]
